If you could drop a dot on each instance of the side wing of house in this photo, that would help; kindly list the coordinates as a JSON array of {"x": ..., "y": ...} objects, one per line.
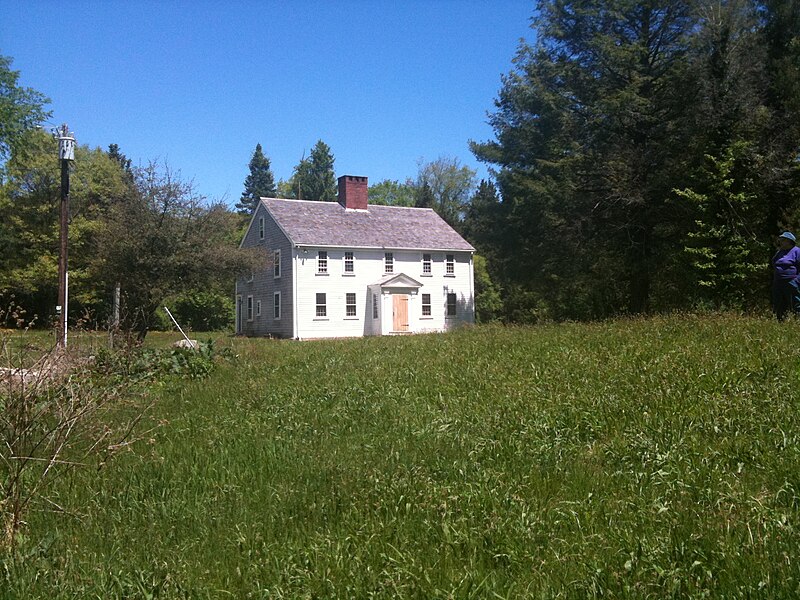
[{"x": 265, "y": 299}]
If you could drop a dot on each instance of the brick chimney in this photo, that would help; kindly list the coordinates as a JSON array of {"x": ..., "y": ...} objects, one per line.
[{"x": 353, "y": 192}]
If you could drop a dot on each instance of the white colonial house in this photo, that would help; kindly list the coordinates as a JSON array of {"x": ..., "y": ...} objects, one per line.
[{"x": 349, "y": 269}]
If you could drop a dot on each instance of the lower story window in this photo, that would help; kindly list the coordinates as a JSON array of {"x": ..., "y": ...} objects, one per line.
[
  {"x": 350, "y": 305},
  {"x": 276, "y": 305},
  {"x": 258, "y": 308},
  {"x": 426, "y": 305},
  {"x": 451, "y": 304},
  {"x": 249, "y": 308},
  {"x": 322, "y": 305},
  {"x": 374, "y": 306}
]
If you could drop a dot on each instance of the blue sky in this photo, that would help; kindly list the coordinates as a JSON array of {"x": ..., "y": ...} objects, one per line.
[{"x": 198, "y": 84}]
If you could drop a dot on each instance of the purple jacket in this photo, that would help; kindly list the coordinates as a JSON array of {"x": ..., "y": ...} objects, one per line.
[{"x": 787, "y": 264}]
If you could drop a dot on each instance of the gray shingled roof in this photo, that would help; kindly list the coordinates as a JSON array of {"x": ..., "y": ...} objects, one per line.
[{"x": 310, "y": 223}]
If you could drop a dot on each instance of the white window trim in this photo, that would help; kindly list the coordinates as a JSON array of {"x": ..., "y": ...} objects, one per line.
[
  {"x": 276, "y": 262},
  {"x": 317, "y": 305},
  {"x": 319, "y": 269},
  {"x": 429, "y": 272},
  {"x": 345, "y": 272},
  {"x": 386, "y": 263},
  {"x": 423, "y": 304},
  {"x": 450, "y": 264},
  {"x": 354, "y": 305},
  {"x": 277, "y": 295}
]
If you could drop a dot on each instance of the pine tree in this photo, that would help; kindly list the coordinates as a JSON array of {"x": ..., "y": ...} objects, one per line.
[
  {"x": 313, "y": 177},
  {"x": 260, "y": 183}
]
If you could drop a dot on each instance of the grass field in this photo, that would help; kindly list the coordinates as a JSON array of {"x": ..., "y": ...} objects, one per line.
[{"x": 651, "y": 458}]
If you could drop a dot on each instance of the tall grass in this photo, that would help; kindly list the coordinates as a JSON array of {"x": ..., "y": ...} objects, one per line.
[{"x": 634, "y": 459}]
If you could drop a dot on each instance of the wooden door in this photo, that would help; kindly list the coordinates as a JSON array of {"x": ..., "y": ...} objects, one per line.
[{"x": 400, "y": 312}]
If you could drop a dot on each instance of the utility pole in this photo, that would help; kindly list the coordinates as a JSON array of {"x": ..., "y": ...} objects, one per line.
[{"x": 66, "y": 153}]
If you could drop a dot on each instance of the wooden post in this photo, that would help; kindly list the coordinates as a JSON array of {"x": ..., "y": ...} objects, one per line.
[{"x": 66, "y": 153}]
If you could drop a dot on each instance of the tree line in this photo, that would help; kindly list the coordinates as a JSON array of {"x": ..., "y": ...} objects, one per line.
[{"x": 645, "y": 155}]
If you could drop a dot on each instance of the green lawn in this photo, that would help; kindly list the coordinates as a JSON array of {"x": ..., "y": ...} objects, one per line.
[{"x": 632, "y": 459}]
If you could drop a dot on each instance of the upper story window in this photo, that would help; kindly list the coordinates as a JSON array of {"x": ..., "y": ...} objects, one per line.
[
  {"x": 450, "y": 265},
  {"x": 322, "y": 305},
  {"x": 261, "y": 228},
  {"x": 388, "y": 262},
  {"x": 276, "y": 264},
  {"x": 426, "y": 305},
  {"x": 426, "y": 264},
  {"x": 349, "y": 262},
  {"x": 350, "y": 304},
  {"x": 322, "y": 261},
  {"x": 451, "y": 304}
]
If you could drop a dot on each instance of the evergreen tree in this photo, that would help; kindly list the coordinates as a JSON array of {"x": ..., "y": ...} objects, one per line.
[
  {"x": 423, "y": 197},
  {"x": 313, "y": 177},
  {"x": 259, "y": 183},
  {"x": 589, "y": 135},
  {"x": 727, "y": 254},
  {"x": 123, "y": 161}
]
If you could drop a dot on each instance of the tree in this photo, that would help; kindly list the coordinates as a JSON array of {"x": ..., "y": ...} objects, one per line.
[
  {"x": 314, "y": 177},
  {"x": 392, "y": 193},
  {"x": 588, "y": 137},
  {"x": 162, "y": 239},
  {"x": 259, "y": 183},
  {"x": 450, "y": 185},
  {"x": 124, "y": 162},
  {"x": 29, "y": 214},
  {"x": 488, "y": 303},
  {"x": 726, "y": 253},
  {"x": 21, "y": 109}
]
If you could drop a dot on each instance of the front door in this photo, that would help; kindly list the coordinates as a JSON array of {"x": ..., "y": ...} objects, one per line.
[{"x": 400, "y": 312}]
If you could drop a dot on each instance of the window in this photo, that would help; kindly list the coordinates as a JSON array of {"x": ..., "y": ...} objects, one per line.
[
  {"x": 450, "y": 265},
  {"x": 451, "y": 304},
  {"x": 261, "y": 228},
  {"x": 388, "y": 262},
  {"x": 276, "y": 264},
  {"x": 276, "y": 305},
  {"x": 349, "y": 266},
  {"x": 350, "y": 305},
  {"x": 258, "y": 308},
  {"x": 426, "y": 305},
  {"x": 249, "y": 308},
  {"x": 322, "y": 305},
  {"x": 374, "y": 306},
  {"x": 426, "y": 264},
  {"x": 322, "y": 261}
]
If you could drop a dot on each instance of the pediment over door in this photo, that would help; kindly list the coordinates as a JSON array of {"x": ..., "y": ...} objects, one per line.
[{"x": 400, "y": 281}]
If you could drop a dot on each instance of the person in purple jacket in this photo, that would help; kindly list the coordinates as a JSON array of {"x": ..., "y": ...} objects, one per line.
[{"x": 786, "y": 278}]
